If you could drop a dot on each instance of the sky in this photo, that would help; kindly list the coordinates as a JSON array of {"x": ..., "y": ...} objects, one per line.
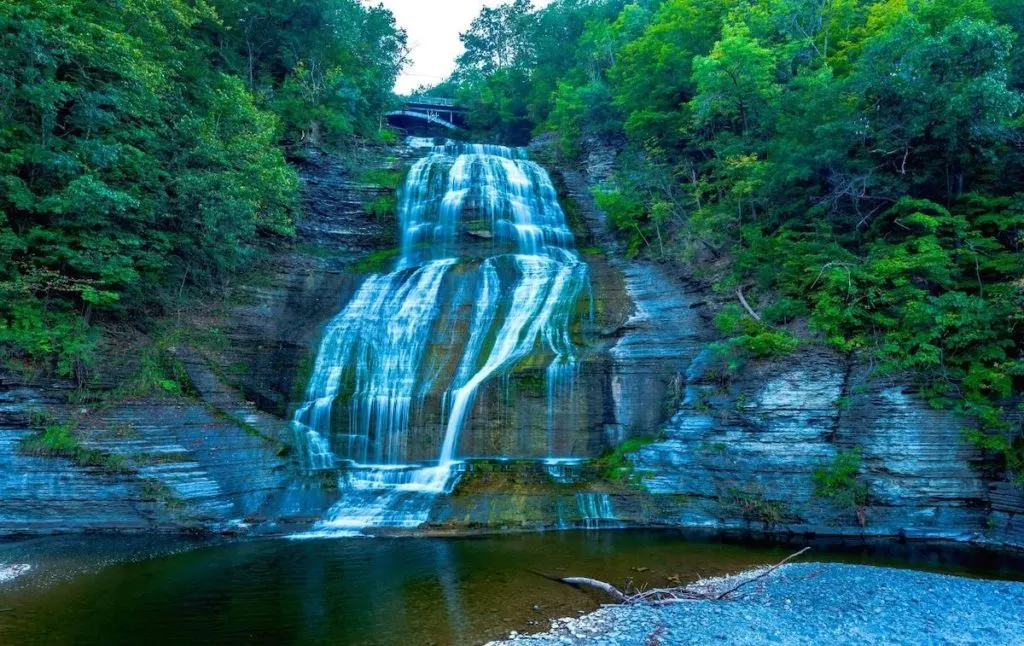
[{"x": 434, "y": 27}]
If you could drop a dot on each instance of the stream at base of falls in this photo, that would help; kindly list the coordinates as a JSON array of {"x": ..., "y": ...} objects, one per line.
[{"x": 111, "y": 591}]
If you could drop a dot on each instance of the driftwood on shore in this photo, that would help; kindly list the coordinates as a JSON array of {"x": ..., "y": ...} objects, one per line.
[
  {"x": 608, "y": 588},
  {"x": 700, "y": 591}
]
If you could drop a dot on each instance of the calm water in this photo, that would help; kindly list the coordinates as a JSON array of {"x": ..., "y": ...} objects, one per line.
[{"x": 374, "y": 591}]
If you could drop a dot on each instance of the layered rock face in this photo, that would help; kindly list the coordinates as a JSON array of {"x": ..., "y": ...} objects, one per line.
[
  {"x": 743, "y": 452},
  {"x": 335, "y": 198},
  {"x": 747, "y": 454},
  {"x": 156, "y": 465},
  {"x": 216, "y": 462},
  {"x": 738, "y": 453}
]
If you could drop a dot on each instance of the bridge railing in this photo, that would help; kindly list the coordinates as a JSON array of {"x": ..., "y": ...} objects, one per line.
[{"x": 432, "y": 101}]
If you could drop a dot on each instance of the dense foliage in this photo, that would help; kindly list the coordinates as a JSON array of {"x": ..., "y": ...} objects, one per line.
[
  {"x": 140, "y": 147},
  {"x": 853, "y": 165}
]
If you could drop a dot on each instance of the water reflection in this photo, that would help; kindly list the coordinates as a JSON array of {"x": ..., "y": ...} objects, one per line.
[{"x": 402, "y": 591}]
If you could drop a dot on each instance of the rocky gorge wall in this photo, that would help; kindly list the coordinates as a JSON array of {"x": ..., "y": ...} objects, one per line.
[
  {"x": 158, "y": 464},
  {"x": 220, "y": 459},
  {"x": 741, "y": 453},
  {"x": 737, "y": 454}
]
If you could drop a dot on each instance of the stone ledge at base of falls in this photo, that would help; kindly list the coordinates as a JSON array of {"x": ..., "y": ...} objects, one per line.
[{"x": 173, "y": 466}]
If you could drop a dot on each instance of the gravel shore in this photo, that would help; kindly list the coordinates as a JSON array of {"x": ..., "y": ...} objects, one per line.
[{"x": 815, "y": 603}]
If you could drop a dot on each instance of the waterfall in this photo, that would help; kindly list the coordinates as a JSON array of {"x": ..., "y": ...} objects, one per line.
[
  {"x": 596, "y": 510},
  {"x": 481, "y": 233},
  {"x": 593, "y": 511}
]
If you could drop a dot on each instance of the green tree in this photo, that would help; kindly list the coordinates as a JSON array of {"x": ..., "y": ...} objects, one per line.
[
  {"x": 499, "y": 38},
  {"x": 326, "y": 66},
  {"x": 139, "y": 150}
]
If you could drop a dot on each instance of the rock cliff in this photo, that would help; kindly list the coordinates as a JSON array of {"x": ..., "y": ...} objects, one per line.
[
  {"x": 741, "y": 451},
  {"x": 217, "y": 461},
  {"x": 737, "y": 452}
]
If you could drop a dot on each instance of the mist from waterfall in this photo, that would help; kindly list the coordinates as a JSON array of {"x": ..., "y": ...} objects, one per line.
[{"x": 481, "y": 230}]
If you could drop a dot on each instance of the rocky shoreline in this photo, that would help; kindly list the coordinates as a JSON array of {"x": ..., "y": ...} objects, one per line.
[{"x": 814, "y": 603}]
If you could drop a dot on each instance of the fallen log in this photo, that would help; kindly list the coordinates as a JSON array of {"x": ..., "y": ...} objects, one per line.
[
  {"x": 665, "y": 596},
  {"x": 609, "y": 589},
  {"x": 584, "y": 582},
  {"x": 746, "y": 305}
]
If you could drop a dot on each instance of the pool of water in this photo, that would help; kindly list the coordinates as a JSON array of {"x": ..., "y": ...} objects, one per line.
[{"x": 376, "y": 591}]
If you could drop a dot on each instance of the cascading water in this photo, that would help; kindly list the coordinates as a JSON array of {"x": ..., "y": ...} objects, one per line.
[
  {"x": 596, "y": 510},
  {"x": 482, "y": 233}
]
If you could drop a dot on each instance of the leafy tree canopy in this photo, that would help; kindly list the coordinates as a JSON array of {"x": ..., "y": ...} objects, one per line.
[
  {"x": 140, "y": 147},
  {"x": 856, "y": 166}
]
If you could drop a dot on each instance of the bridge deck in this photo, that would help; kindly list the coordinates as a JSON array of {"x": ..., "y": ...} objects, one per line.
[
  {"x": 427, "y": 111},
  {"x": 434, "y": 102},
  {"x": 418, "y": 112}
]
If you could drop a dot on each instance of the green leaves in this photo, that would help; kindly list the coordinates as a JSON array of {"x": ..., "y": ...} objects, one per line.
[
  {"x": 838, "y": 482},
  {"x": 627, "y": 214},
  {"x": 45, "y": 333},
  {"x": 140, "y": 148},
  {"x": 748, "y": 338},
  {"x": 499, "y": 38},
  {"x": 935, "y": 107},
  {"x": 326, "y": 67},
  {"x": 736, "y": 81}
]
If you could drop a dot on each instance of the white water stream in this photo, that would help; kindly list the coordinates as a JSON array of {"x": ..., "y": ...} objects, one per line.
[{"x": 481, "y": 227}]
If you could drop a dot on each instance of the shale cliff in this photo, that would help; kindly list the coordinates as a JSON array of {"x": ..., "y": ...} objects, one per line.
[
  {"x": 660, "y": 436},
  {"x": 743, "y": 451},
  {"x": 219, "y": 459}
]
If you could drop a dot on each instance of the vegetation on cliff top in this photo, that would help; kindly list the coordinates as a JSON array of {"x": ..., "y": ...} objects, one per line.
[
  {"x": 141, "y": 149},
  {"x": 855, "y": 165}
]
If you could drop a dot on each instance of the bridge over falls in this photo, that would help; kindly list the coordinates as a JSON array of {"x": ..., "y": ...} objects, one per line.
[{"x": 427, "y": 113}]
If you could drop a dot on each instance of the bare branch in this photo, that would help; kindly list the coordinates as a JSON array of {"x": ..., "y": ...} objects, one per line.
[
  {"x": 584, "y": 582},
  {"x": 763, "y": 574},
  {"x": 746, "y": 305}
]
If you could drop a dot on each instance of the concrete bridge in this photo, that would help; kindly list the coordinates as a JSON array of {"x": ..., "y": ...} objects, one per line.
[{"x": 426, "y": 113}]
